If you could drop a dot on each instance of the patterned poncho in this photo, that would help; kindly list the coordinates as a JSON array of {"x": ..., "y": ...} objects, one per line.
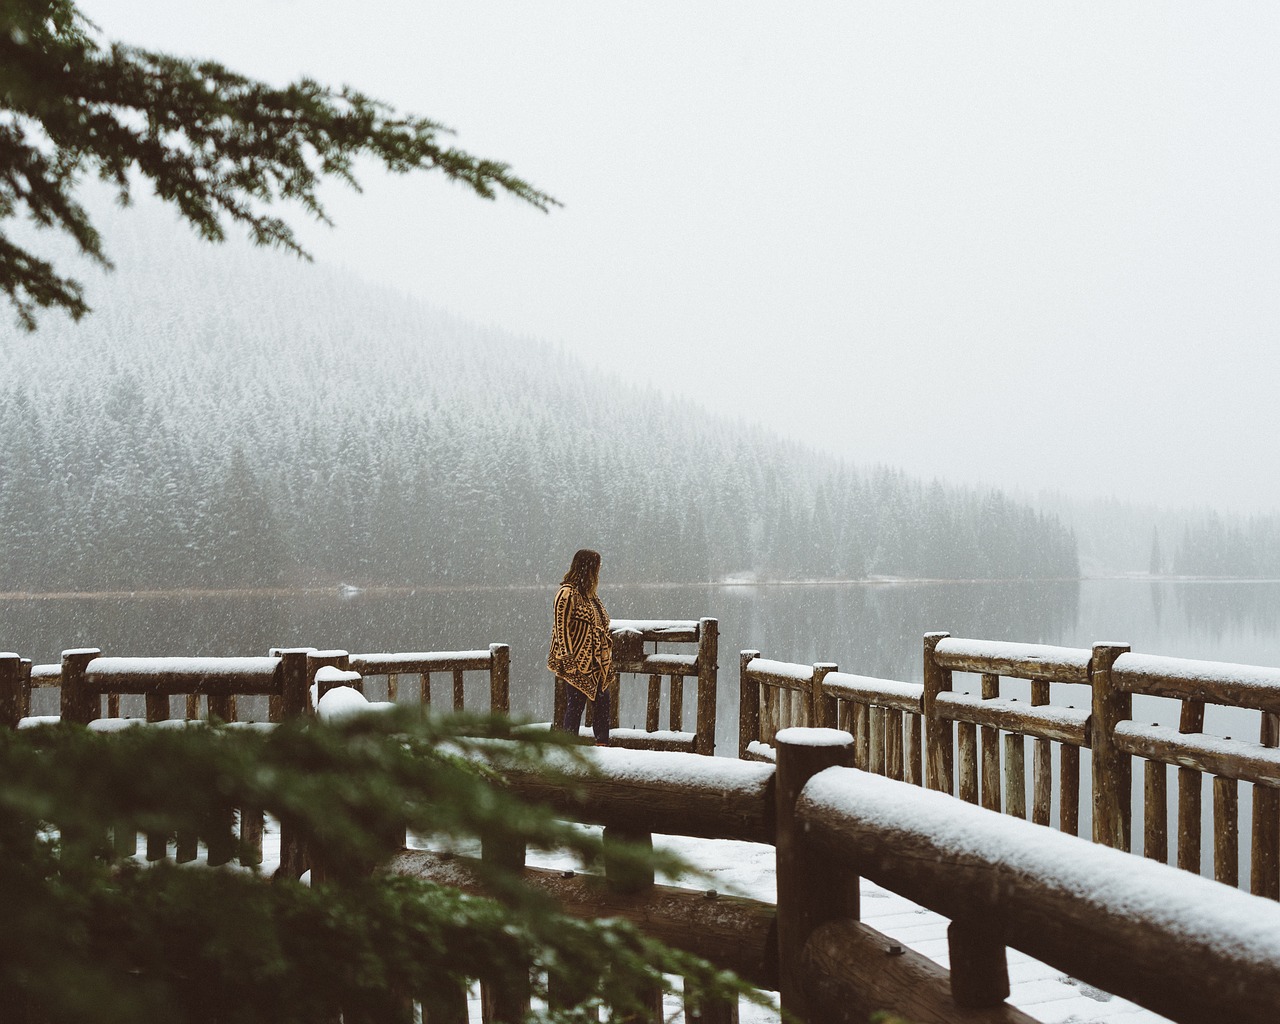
[{"x": 581, "y": 647}]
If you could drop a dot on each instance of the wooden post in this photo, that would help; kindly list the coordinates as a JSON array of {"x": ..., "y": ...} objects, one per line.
[
  {"x": 316, "y": 660},
  {"x": 1015, "y": 775},
  {"x": 559, "y": 702},
  {"x": 912, "y": 751},
  {"x": 708, "y": 682},
  {"x": 500, "y": 679},
  {"x": 990, "y": 748},
  {"x": 504, "y": 995},
  {"x": 1155, "y": 812},
  {"x": 157, "y": 711},
  {"x": 630, "y": 878},
  {"x": 653, "y": 704},
  {"x": 24, "y": 688},
  {"x": 861, "y": 736},
  {"x": 1042, "y": 762},
  {"x": 675, "y": 712},
  {"x": 295, "y": 694},
  {"x": 1069, "y": 789},
  {"x": 979, "y": 967},
  {"x": 812, "y": 889},
  {"x": 10, "y": 690},
  {"x": 1189, "y": 787},
  {"x": 748, "y": 704},
  {"x": 893, "y": 766},
  {"x": 1264, "y": 860},
  {"x": 967, "y": 749},
  {"x": 1226, "y": 830},
  {"x": 1112, "y": 769},
  {"x": 459, "y": 690},
  {"x": 620, "y": 874},
  {"x": 700, "y": 1010},
  {"x": 825, "y": 711},
  {"x": 78, "y": 705},
  {"x": 939, "y": 771},
  {"x": 875, "y": 754}
]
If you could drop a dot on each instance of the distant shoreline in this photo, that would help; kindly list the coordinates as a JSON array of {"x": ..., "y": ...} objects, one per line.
[{"x": 354, "y": 592}]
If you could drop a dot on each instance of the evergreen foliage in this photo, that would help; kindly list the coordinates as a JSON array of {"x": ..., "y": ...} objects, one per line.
[
  {"x": 216, "y": 145},
  {"x": 89, "y": 936},
  {"x": 1215, "y": 545},
  {"x": 232, "y": 419}
]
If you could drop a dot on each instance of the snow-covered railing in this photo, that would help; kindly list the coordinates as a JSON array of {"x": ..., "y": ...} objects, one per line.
[
  {"x": 631, "y": 659},
  {"x": 934, "y": 735},
  {"x": 1181, "y": 946},
  {"x": 774, "y": 695},
  {"x": 954, "y": 761},
  {"x": 495, "y": 662},
  {"x": 1226, "y": 760},
  {"x": 86, "y": 677}
]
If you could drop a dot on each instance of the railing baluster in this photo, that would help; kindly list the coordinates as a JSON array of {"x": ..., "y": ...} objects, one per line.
[
  {"x": 1042, "y": 762},
  {"x": 967, "y": 751},
  {"x": 157, "y": 711},
  {"x": 913, "y": 750},
  {"x": 1155, "y": 812},
  {"x": 1226, "y": 830},
  {"x": 1015, "y": 779},
  {"x": 653, "y": 706},
  {"x": 862, "y": 736},
  {"x": 1069, "y": 789},
  {"x": 990, "y": 748},
  {"x": 1191, "y": 720},
  {"x": 459, "y": 691},
  {"x": 893, "y": 743},
  {"x": 875, "y": 754},
  {"x": 1264, "y": 861},
  {"x": 676, "y": 715}
]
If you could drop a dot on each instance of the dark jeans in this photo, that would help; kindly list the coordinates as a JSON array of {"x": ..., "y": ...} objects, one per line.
[{"x": 602, "y": 711}]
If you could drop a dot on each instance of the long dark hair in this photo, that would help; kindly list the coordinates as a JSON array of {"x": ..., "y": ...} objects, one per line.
[{"x": 584, "y": 572}]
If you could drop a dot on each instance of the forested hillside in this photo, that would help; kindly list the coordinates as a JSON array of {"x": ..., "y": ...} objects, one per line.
[{"x": 233, "y": 418}]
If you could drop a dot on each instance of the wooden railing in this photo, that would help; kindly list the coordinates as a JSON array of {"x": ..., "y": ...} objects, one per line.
[
  {"x": 965, "y": 735},
  {"x": 1227, "y": 761},
  {"x": 655, "y": 665},
  {"x": 1180, "y": 946},
  {"x": 495, "y": 662}
]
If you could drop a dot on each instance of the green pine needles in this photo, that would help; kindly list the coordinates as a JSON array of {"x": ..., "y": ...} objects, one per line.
[
  {"x": 210, "y": 141},
  {"x": 89, "y": 934}
]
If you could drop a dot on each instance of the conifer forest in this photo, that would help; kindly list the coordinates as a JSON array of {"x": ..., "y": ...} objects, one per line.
[{"x": 229, "y": 418}]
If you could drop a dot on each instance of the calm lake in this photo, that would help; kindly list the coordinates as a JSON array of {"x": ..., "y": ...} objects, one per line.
[{"x": 868, "y": 628}]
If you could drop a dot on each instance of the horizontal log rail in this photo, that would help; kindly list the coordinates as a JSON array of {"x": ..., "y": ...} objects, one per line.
[
  {"x": 673, "y": 793},
  {"x": 1241, "y": 686},
  {"x": 169, "y": 676},
  {"x": 776, "y": 695},
  {"x": 735, "y": 933},
  {"x": 1047, "y": 721},
  {"x": 885, "y": 693},
  {"x": 496, "y": 662},
  {"x": 1015, "y": 660},
  {"x": 1179, "y": 945},
  {"x": 1209, "y": 755}
]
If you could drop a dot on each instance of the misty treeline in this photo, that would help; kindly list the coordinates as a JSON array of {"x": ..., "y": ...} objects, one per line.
[
  {"x": 1213, "y": 545},
  {"x": 230, "y": 419}
]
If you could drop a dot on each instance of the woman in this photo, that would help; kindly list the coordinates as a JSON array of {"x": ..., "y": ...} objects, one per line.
[{"x": 581, "y": 646}]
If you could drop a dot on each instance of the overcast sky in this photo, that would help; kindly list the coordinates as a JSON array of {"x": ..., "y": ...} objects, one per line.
[{"x": 1036, "y": 245}]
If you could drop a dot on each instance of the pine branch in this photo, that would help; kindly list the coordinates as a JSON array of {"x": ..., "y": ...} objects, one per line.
[{"x": 219, "y": 146}]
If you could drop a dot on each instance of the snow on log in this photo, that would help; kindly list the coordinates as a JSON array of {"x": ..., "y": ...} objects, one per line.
[
  {"x": 1181, "y": 945},
  {"x": 1216, "y": 682},
  {"x": 1021, "y": 661},
  {"x": 658, "y": 791}
]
